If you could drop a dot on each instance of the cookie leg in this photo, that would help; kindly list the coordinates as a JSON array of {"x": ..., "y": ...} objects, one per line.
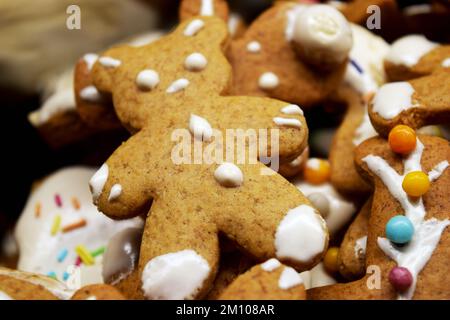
[{"x": 179, "y": 257}]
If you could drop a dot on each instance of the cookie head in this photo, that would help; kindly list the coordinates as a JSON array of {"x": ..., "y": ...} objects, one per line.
[{"x": 322, "y": 35}]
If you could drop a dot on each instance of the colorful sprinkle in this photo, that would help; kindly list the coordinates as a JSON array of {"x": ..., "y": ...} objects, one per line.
[
  {"x": 98, "y": 251},
  {"x": 76, "y": 203},
  {"x": 58, "y": 200},
  {"x": 62, "y": 255},
  {"x": 78, "y": 262},
  {"x": 73, "y": 226},
  {"x": 357, "y": 67},
  {"x": 37, "y": 210},
  {"x": 52, "y": 275},
  {"x": 65, "y": 276},
  {"x": 85, "y": 255},
  {"x": 56, "y": 225}
]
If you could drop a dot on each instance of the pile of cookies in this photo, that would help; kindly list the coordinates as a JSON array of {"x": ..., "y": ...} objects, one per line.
[{"x": 183, "y": 210}]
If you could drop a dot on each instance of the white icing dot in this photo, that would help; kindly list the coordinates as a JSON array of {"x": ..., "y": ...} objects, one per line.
[
  {"x": 270, "y": 265},
  {"x": 313, "y": 163},
  {"x": 287, "y": 122},
  {"x": 147, "y": 79},
  {"x": 301, "y": 235},
  {"x": 175, "y": 276},
  {"x": 289, "y": 278},
  {"x": 268, "y": 81},
  {"x": 195, "y": 62},
  {"x": 91, "y": 298},
  {"x": 254, "y": 47},
  {"x": 98, "y": 181},
  {"x": 207, "y": 8},
  {"x": 178, "y": 85},
  {"x": 408, "y": 50},
  {"x": 229, "y": 175},
  {"x": 446, "y": 63},
  {"x": 233, "y": 23},
  {"x": 393, "y": 98},
  {"x": 292, "y": 109},
  {"x": 115, "y": 192},
  {"x": 109, "y": 62},
  {"x": 194, "y": 27},
  {"x": 200, "y": 128},
  {"x": 91, "y": 94},
  {"x": 90, "y": 59}
]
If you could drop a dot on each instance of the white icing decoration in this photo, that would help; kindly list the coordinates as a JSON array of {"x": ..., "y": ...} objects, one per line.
[
  {"x": 98, "y": 181},
  {"x": 91, "y": 298},
  {"x": 446, "y": 63},
  {"x": 365, "y": 130},
  {"x": 360, "y": 247},
  {"x": 115, "y": 192},
  {"x": 301, "y": 235},
  {"x": 178, "y": 85},
  {"x": 289, "y": 278},
  {"x": 145, "y": 38},
  {"x": 175, "y": 276},
  {"x": 195, "y": 62},
  {"x": 109, "y": 62},
  {"x": 437, "y": 171},
  {"x": 287, "y": 122},
  {"x": 90, "y": 59},
  {"x": 233, "y": 23},
  {"x": 194, "y": 27},
  {"x": 229, "y": 175},
  {"x": 291, "y": 16},
  {"x": 417, "y": 9},
  {"x": 90, "y": 94},
  {"x": 147, "y": 79},
  {"x": 270, "y": 265},
  {"x": 313, "y": 163},
  {"x": 254, "y": 47},
  {"x": 268, "y": 81},
  {"x": 5, "y": 296},
  {"x": 292, "y": 109},
  {"x": 39, "y": 249},
  {"x": 323, "y": 33},
  {"x": 200, "y": 128},
  {"x": 340, "y": 210},
  {"x": 427, "y": 233},
  {"x": 207, "y": 8},
  {"x": 409, "y": 49},
  {"x": 393, "y": 98}
]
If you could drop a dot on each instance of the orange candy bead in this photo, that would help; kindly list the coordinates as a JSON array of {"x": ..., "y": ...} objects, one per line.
[
  {"x": 330, "y": 261},
  {"x": 402, "y": 139},
  {"x": 317, "y": 171}
]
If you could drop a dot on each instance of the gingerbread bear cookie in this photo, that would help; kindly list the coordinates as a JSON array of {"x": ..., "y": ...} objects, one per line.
[
  {"x": 172, "y": 90},
  {"x": 61, "y": 234},
  {"x": 287, "y": 54},
  {"x": 268, "y": 281},
  {"x": 415, "y": 103},
  {"x": 415, "y": 56},
  {"x": 98, "y": 292},
  {"x": 352, "y": 252},
  {"x": 408, "y": 239},
  {"x": 363, "y": 76},
  {"x": 336, "y": 210},
  {"x": 95, "y": 108}
]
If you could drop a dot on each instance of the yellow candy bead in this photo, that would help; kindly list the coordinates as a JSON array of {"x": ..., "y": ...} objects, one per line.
[
  {"x": 416, "y": 184},
  {"x": 330, "y": 261},
  {"x": 317, "y": 171}
]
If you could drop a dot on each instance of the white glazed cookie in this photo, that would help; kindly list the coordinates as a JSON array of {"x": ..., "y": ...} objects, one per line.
[{"x": 61, "y": 234}]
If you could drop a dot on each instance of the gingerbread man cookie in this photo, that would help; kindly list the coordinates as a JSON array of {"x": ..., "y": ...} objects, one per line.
[
  {"x": 173, "y": 87},
  {"x": 408, "y": 238}
]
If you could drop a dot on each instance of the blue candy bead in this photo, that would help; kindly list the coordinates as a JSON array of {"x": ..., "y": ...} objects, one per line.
[{"x": 399, "y": 229}]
